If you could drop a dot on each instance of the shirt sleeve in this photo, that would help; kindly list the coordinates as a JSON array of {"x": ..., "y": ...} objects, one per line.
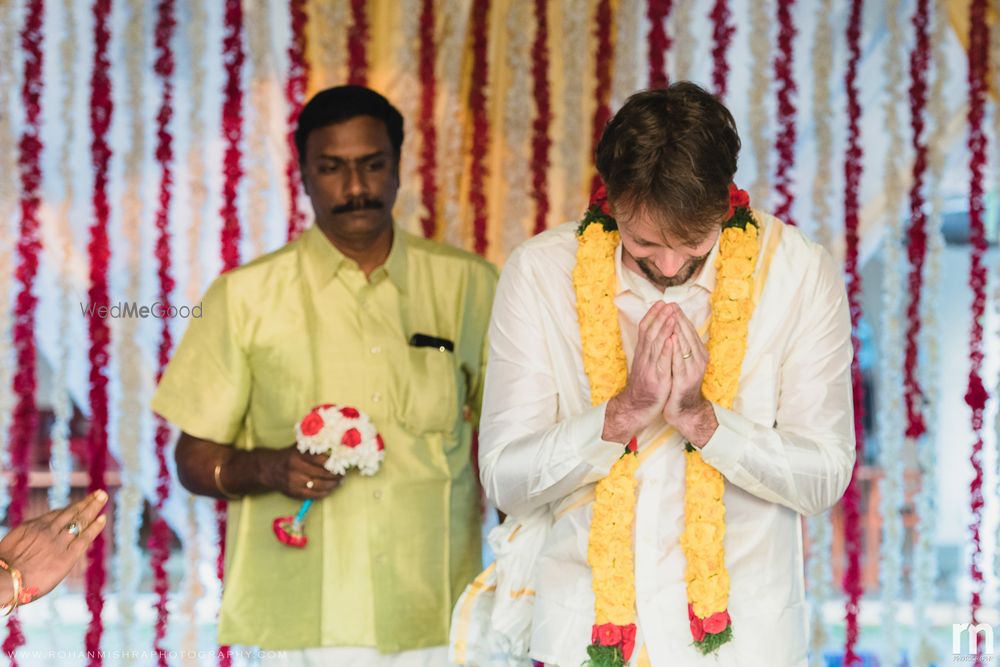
[
  {"x": 527, "y": 458},
  {"x": 205, "y": 388},
  {"x": 805, "y": 461}
]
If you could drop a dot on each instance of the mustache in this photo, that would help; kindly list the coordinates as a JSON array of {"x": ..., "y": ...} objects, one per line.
[
  {"x": 682, "y": 276},
  {"x": 358, "y": 204}
]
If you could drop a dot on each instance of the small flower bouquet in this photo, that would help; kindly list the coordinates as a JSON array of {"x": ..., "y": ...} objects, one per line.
[{"x": 349, "y": 440}]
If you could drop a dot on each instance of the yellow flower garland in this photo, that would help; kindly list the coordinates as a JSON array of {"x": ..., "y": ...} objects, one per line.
[
  {"x": 704, "y": 511},
  {"x": 610, "y": 553}
]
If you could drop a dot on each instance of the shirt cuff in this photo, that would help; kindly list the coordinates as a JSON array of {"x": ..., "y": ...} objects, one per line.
[
  {"x": 725, "y": 448},
  {"x": 599, "y": 453}
]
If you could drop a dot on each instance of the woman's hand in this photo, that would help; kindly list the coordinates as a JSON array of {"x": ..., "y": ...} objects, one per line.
[{"x": 44, "y": 549}]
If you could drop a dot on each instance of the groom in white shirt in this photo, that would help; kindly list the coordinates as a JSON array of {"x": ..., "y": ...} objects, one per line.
[{"x": 785, "y": 448}]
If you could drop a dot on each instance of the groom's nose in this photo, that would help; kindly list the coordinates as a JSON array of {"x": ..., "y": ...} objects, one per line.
[{"x": 669, "y": 262}]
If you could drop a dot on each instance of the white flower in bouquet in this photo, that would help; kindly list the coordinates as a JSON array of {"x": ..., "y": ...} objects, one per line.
[{"x": 344, "y": 434}]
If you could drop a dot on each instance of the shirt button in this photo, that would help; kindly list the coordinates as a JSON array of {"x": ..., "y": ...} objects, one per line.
[
  {"x": 376, "y": 397},
  {"x": 376, "y": 349},
  {"x": 377, "y": 494}
]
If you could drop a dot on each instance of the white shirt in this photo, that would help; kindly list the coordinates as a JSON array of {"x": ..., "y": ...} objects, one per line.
[{"x": 785, "y": 449}]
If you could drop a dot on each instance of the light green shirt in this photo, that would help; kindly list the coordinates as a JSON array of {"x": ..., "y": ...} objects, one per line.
[{"x": 388, "y": 555}]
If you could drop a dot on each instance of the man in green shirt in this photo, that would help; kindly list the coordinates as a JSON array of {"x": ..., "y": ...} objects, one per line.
[{"x": 355, "y": 312}]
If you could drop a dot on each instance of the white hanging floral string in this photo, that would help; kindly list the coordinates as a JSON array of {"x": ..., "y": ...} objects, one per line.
[
  {"x": 822, "y": 113},
  {"x": 890, "y": 377},
  {"x": 197, "y": 182},
  {"x": 405, "y": 87},
  {"x": 60, "y": 462},
  {"x": 132, "y": 409},
  {"x": 760, "y": 86},
  {"x": 262, "y": 89},
  {"x": 574, "y": 32},
  {"x": 450, "y": 59},
  {"x": 685, "y": 44},
  {"x": 197, "y": 46},
  {"x": 331, "y": 18},
  {"x": 820, "y": 577},
  {"x": 628, "y": 75},
  {"x": 194, "y": 590},
  {"x": 517, "y": 125},
  {"x": 924, "y": 557}
]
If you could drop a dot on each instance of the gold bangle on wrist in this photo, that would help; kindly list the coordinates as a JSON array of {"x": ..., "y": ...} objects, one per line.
[
  {"x": 218, "y": 483},
  {"x": 15, "y": 577}
]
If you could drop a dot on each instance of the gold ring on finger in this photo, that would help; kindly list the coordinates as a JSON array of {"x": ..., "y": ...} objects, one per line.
[
  {"x": 687, "y": 355},
  {"x": 73, "y": 528}
]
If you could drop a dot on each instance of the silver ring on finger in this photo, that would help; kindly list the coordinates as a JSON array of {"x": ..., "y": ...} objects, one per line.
[
  {"x": 310, "y": 484},
  {"x": 687, "y": 355},
  {"x": 73, "y": 528}
]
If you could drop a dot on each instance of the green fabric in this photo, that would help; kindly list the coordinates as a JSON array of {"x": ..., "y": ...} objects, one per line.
[{"x": 388, "y": 555}]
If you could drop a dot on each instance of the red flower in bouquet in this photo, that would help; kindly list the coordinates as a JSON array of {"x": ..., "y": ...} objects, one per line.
[
  {"x": 352, "y": 438},
  {"x": 350, "y": 413},
  {"x": 717, "y": 622},
  {"x": 312, "y": 424},
  {"x": 380, "y": 443}
]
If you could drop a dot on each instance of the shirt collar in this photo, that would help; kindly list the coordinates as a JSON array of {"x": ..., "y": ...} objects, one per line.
[
  {"x": 325, "y": 260},
  {"x": 628, "y": 280}
]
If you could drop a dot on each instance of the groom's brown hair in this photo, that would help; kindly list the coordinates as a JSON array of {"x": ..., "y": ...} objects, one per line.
[{"x": 671, "y": 153}]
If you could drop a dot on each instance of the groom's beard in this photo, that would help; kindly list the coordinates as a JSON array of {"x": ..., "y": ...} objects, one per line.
[{"x": 683, "y": 275}]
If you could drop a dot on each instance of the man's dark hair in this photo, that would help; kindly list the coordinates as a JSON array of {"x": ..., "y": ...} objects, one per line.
[
  {"x": 342, "y": 103},
  {"x": 671, "y": 154}
]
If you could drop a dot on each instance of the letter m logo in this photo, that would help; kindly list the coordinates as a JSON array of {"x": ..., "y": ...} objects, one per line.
[{"x": 957, "y": 629}]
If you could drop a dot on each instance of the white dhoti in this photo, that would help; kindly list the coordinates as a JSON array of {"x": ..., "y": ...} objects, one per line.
[{"x": 356, "y": 656}]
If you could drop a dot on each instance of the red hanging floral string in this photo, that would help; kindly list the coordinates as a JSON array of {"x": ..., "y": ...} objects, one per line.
[
  {"x": 602, "y": 113},
  {"x": 159, "y": 538},
  {"x": 24, "y": 422},
  {"x": 784, "y": 74},
  {"x": 428, "y": 130},
  {"x": 541, "y": 143},
  {"x": 232, "y": 130},
  {"x": 722, "y": 35},
  {"x": 658, "y": 41},
  {"x": 976, "y": 395},
  {"x": 853, "y": 166},
  {"x": 295, "y": 93},
  {"x": 357, "y": 44},
  {"x": 480, "y": 123},
  {"x": 97, "y": 447},
  {"x": 916, "y": 248}
]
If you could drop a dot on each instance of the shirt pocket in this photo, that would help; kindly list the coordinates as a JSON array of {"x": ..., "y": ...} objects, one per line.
[
  {"x": 429, "y": 397},
  {"x": 757, "y": 399}
]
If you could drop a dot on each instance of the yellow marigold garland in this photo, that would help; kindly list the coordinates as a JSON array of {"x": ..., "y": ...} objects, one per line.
[{"x": 610, "y": 552}]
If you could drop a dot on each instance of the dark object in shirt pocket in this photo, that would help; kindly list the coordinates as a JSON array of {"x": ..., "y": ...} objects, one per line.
[{"x": 423, "y": 340}]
